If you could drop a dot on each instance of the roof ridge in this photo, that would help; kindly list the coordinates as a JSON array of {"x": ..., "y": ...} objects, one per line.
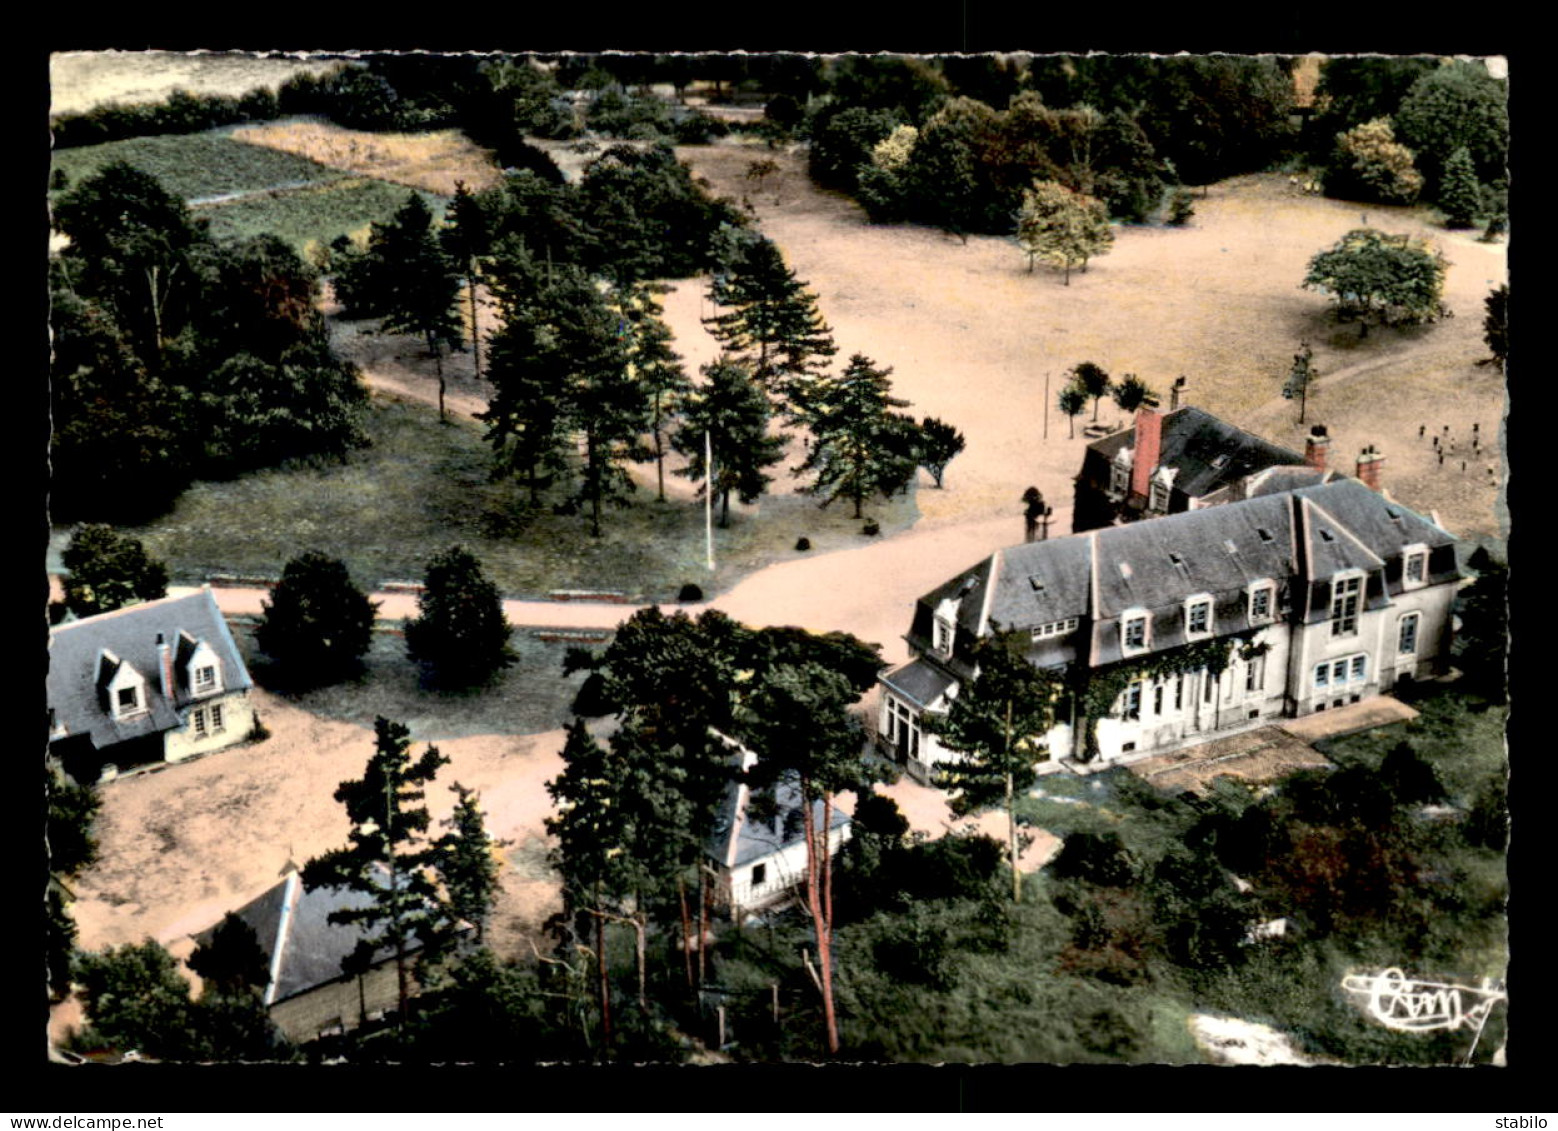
[{"x": 137, "y": 607}]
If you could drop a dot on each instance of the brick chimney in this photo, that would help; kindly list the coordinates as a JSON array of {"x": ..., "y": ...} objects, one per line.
[
  {"x": 1316, "y": 446},
  {"x": 1149, "y": 448},
  {"x": 165, "y": 666},
  {"x": 1370, "y": 465}
]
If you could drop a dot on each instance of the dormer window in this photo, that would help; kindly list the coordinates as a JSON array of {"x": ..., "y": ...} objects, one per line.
[
  {"x": 1414, "y": 567},
  {"x": 1346, "y": 593},
  {"x": 1133, "y": 633},
  {"x": 205, "y": 679},
  {"x": 944, "y": 635},
  {"x": 1162, "y": 481},
  {"x": 1263, "y": 598},
  {"x": 1198, "y": 617},
  {"x": 1120, "y": 472}
]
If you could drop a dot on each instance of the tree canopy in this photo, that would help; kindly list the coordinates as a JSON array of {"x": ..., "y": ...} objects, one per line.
[
  {"x": 460, "y": 635},
  {"x": 860, "y": 446},
  {"x": 1061, "y": 227},
  {"x": 731, "y": 409},
  {"x": 107, "y": 570},
  {"x": 1375, "y": 276},
  {"x": 317, "y": 624}
]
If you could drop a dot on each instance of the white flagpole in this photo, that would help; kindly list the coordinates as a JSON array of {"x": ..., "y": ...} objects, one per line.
[{"x": 708, "y": 497}]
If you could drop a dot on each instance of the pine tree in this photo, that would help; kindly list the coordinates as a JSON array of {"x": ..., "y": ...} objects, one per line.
[
  {"x": 798, "y": 724},
  {"x": 388, "y": 859},
  {"x": 732, "y": 411},
  {"x": 422, "y": 285},
  {"x": 464, "y": 860},
  {"x": 653, "y": 365},
  {"x": 857, "y": 441},
  {"x": 466, "y": 238},
  {"x": 1460, "y": 195},
  {"x": 997, "y": 722},
  {"x": 527, "y": 418},
  {"x": 604, "y": 403},
  {"x": 460, "y": 636},
  {"x": 771, "y": 320}
]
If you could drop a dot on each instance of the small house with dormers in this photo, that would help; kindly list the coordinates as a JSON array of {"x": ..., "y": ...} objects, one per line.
[
  {"x": 160, "y": 681},
  {"x": 1324, "y": 595}
]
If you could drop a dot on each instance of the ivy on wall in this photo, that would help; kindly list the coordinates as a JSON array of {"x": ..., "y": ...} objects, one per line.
[{"x": 1095, "y": 690}]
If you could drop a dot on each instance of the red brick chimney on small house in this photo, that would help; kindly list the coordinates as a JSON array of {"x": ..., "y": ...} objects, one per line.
[
  {"x": 1149, "y": 448},
  {"x": 1370, "y": 466},
  {"x": 1316, "y": 448},
  {"x": 165, "y": 666}
]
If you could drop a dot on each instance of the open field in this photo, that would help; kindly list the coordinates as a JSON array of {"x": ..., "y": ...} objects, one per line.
[
  {"x": 972, "y": 335},
  {"x": 80, "y": 80},
  {"x": 194, "y": 167},
  {"x": 431, "y": 161},
  {"x": 248, "y": 189},
  {"x": 422, "y": 486}
]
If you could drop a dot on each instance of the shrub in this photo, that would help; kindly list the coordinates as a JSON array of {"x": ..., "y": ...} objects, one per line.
[
  {"x": 872, "y": 528},
  {"x": 317, "y": 624},
  {"x": 689, "y": 593},
  {"x": 803, "y": 544},
  {"x": 1371, "y": 165},
  {"x": 461, "y": 638},
  {"x": 1181, "y": 207}
]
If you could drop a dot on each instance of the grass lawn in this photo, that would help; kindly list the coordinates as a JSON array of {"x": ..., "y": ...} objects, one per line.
[
  {"x": 313, "y": 214},
  {"x": 192, "y": 166},
  {"x": 530, "y": 696},
  {"x": 422, "y": 486},
  {"x": 302, "y": 201}
]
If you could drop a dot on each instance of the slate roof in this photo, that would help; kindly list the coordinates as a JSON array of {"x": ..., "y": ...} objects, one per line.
[
  {"x": 919, "y": 681},
  {"x": 739, "y": 838},
  {"x": 131, "y": 635},
  {"x": 1193, "y": 442},
  {"x": 294, "y": 921},
  {"x": 1289, "y": 538}
]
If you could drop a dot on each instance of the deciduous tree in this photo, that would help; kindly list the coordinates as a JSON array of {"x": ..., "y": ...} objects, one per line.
[
  {"x": 1459, "y": 105},
  {"x": 317, "y": 624},
  {"x": 1062, "y": 227},
  {"x": 460, "y": 636},
  {"x": 1131, "y": 393},
  {"x": 1370, "y": 164},
  {"x": 106, "y": 570},
  {"x": 938, "y": 444},
  {"x": 1072, "y": 401},
  {"x": 1374, "y": 276},
  {"x": 1093, "y": 381}
]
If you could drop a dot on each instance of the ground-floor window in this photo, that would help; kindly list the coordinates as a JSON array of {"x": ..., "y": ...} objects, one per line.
[
  {"x": 759, "y": 875},
  {"x": 1133, "y": 701},
  {"x": 1336, "y": 673},
  {"x": 207, "y": 720},
  {"x": 1255, "y": 674},
  {"x": 1407, "y": 641}
]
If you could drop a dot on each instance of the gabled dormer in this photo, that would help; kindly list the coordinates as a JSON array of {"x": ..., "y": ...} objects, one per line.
[
  {"x": 944, "y": 627},
  {"x": 198, "y": 666},
  {"x": 121, "y": 690}
]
